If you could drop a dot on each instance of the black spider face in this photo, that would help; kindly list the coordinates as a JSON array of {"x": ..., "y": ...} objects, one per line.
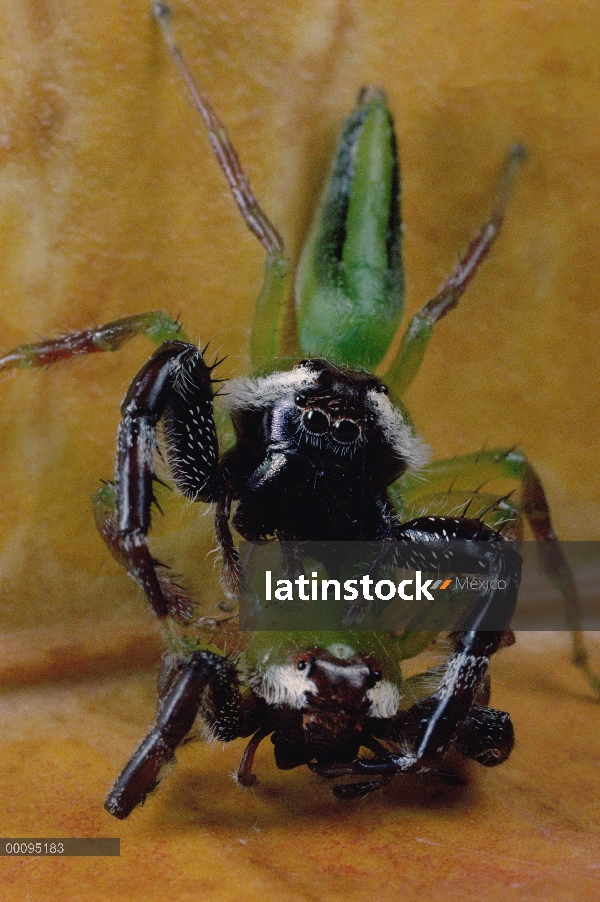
[
  {"x": 340, "y": 695},
  {"x": 327, "y": 697},
  {"x": 336, "y": 412},
  {"x": 317, "y": 447},
  {"x": 332, "y": 414}
]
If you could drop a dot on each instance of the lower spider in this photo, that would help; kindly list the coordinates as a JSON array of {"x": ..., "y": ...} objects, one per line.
[
  {"x": 321, "y": 454},
  {"x": 322, "y": 698}
]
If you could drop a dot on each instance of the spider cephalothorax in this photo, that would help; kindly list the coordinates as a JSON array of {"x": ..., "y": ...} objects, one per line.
[{"x": 316, "y": 449}]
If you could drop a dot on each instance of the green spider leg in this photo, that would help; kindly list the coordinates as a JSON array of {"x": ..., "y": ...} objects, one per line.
[
  {"x": 405, "y": 365},
  {"x": 440, "y": 478},
  {"x": 157, "y": 326},
  {"x": 266, "y": 338}
]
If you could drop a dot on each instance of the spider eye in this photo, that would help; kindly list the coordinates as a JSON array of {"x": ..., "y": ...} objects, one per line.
[
  {"x": 381, "y": 389},
  {"x": 304, "y": 664},
  {"x": 346, "y": 430},
  {"x": 300, "y": 399},
  {"x": 315, "y": 421},
  {"x": 375, "y": 675}
]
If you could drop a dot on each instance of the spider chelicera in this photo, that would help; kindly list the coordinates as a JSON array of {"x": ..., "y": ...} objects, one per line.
[{"x": 324, "y": 451}]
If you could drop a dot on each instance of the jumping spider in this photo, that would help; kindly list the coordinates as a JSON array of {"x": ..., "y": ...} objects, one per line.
[{"x": 322, "y": 453}]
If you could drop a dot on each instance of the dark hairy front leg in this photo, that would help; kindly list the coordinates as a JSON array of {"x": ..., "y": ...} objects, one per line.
[
  {"x": 177, "y": 712},
  {"x": 487, "y": 736},
  {"x": 104, "y": 505},
  {"x": 175, "y": 386}
]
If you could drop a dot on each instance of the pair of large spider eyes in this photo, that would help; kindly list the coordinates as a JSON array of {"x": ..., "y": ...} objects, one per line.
[{"x": 317, "y": 422}]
